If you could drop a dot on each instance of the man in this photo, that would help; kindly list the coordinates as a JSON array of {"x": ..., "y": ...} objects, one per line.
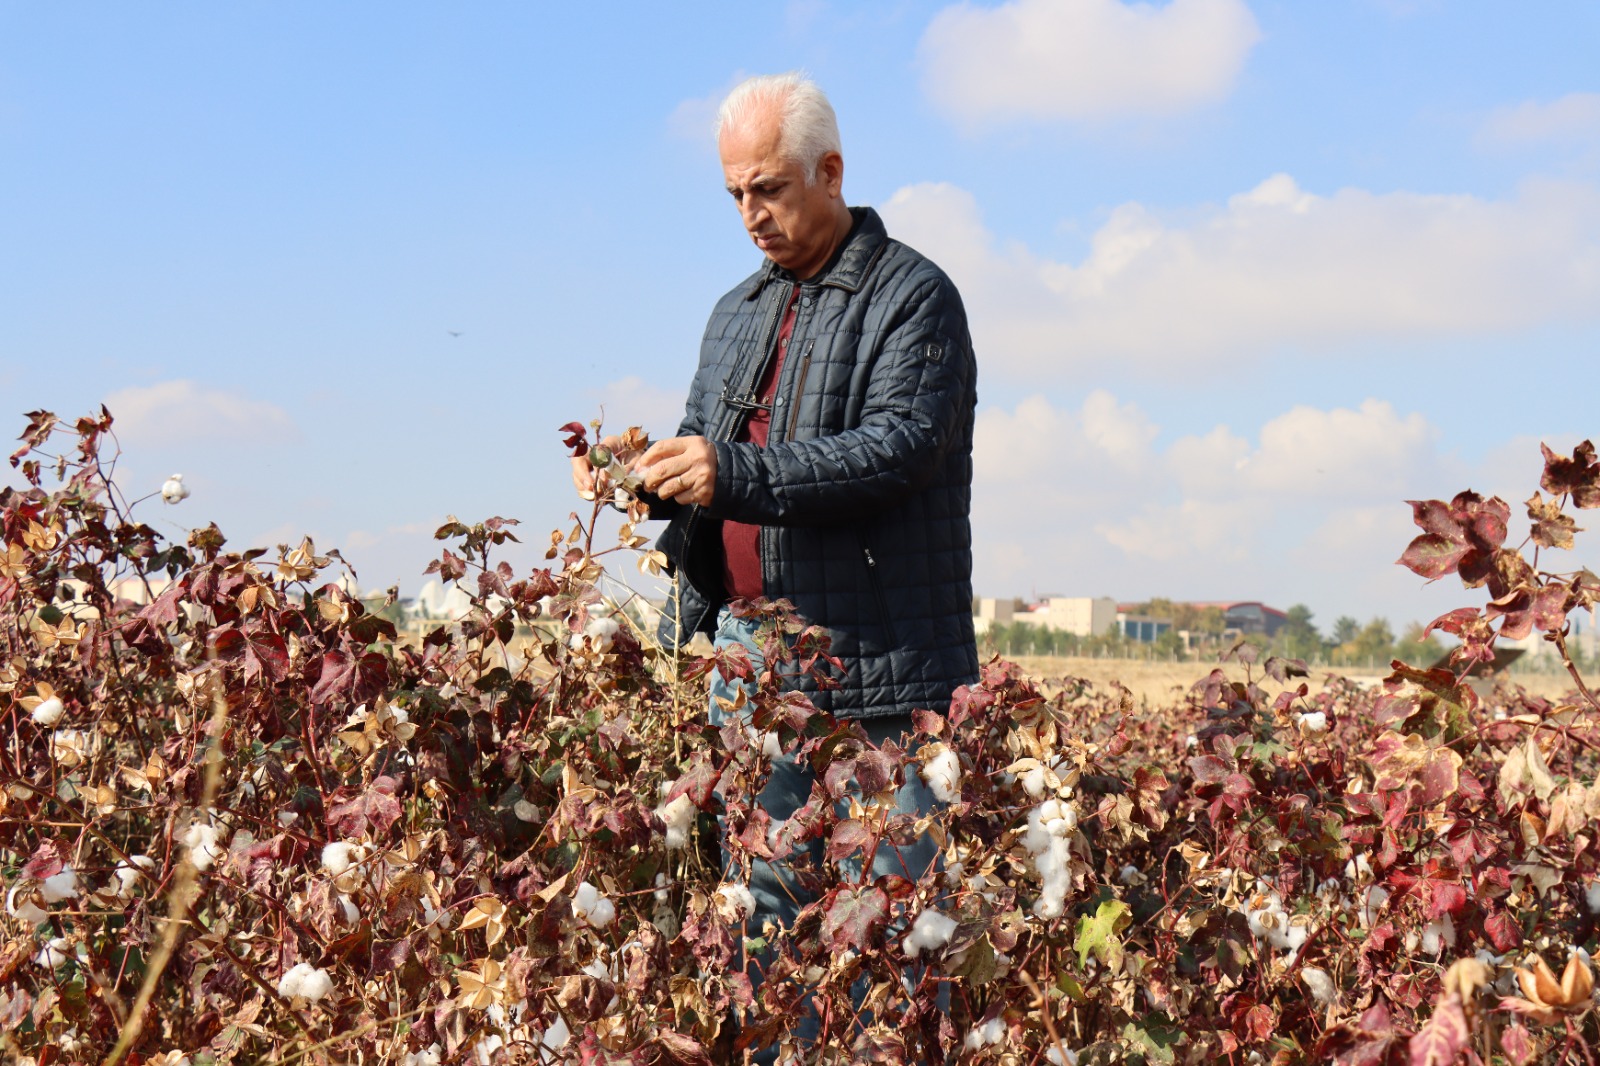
[{"x": 825, "y": 455}]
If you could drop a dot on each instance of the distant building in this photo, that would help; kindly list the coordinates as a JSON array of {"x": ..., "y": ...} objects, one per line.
[
  {"x": 1247, "y": 617},
  {"x": 1141, "y": 628},
  {"x": 1081, "y": 616}
]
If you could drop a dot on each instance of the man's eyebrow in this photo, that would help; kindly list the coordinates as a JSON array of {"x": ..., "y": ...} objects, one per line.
[{"x": 760, "y": 181}]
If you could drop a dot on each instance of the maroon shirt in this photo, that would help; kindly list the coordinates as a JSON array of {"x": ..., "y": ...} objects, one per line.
[{"x": 741, "y": 541}]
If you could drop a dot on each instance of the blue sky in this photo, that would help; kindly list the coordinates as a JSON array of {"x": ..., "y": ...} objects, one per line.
[{"x": 1243, "y": 275}]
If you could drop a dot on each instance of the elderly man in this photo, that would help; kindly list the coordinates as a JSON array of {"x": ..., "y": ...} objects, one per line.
[{"x": 825, "y": 455}]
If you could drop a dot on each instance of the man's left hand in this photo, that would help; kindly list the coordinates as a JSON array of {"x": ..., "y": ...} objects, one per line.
[{"x": 681, "y": 469}]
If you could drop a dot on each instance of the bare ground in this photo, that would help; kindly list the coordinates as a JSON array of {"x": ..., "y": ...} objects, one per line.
[{"x": 1165, "y": 683}]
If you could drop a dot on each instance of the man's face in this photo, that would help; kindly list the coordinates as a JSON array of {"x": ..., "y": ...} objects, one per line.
[{"x": 795, "y": 224}]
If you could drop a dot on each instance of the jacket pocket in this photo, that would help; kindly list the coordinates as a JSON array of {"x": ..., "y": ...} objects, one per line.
[
  {"x": 876, "y": 581},
  {"x": 799, "y": 390}
]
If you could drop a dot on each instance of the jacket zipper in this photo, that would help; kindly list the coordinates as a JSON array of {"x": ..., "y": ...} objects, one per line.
[
  {"x": 799, "y": 387},
  {"x": 877, "y": 590}
]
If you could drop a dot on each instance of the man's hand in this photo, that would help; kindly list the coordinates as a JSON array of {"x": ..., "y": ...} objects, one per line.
[
  {"x": 681, "y": 469},
  {"x": 585, "y": 478}
]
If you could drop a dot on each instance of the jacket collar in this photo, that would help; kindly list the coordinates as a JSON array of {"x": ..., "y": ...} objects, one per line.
[{"x": 851, "y": 261}]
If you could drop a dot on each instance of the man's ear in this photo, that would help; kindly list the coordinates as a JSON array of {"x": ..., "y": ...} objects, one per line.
[{"x": 830, "y": 169}]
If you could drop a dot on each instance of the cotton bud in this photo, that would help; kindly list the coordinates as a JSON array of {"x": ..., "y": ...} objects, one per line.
[
  {"x": 306, "y": 981},
  {"x": 942, "y": 772},
  {"x": 930, "y": 932},
  {"x": 173, "y": 489},
  {"x": 63, "y": 885},
  {"x": 55, "y": 954},
  {"x": 127, "y": 874},
  {"x": 734, "y": 903},
  {"x": 592, "y": 908},
  {"x": 49, "y": 712},
  {"x": 1321, "y": 985}
]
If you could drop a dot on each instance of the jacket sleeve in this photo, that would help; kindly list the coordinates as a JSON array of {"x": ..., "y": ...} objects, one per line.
[{"x": 918, "y": 396}]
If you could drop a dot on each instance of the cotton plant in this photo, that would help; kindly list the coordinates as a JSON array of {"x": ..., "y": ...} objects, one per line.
[{"x": 941, "y": 769}]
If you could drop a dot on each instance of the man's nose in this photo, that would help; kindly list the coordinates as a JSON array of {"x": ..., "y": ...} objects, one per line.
[{"x": 753, "y": 213}]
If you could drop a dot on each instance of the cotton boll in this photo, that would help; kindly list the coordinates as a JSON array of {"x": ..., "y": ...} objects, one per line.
[
  {"x": 204, "y": 844},
  {"x": 555, "y": 1038},
  {"x": 306, "y": 981},
  {"x": 770, "y": 746},
  {"x": 55, "y": 954},
  {"x": 63, "y": 885},
  {"x": 679, "y": 817},
  {"x": 943, "y": 775},
  {"x": 1371, "y": 903},
  {"x": 173, "y": 489},
  {"x": 1033, "y": 783},
  {"x": 1438, "y": 935},
  {"x": 1057, "y": 1055},
  {"x": 985, "y": 1033},
  {"x": 287, "y": 818},
  {"x": 1591, "y": 896},
  {"x": 348, "y": 908},
  {"x": 735, "y": 903},
  {"x": 21, "y": 905},
  {"x": 483, "y": 1051},
  {"x": 602, "y": 632},
  {"x": 1312, "y": 722},
  {"x": 591, "y": 907},
  {"x": 930, "y": 932},
  {"x": 48, "y": 713},
  {"x": 662, "y": 895},
  {"x": 953, "y": 872},
  {"x": 1321, "y": 985},
  {"x": 432, "y": 1055},
  {"x": 127, "y": 874},
  {"x": 336, "y": 857},
  {"x": 1359, "y": 868}
]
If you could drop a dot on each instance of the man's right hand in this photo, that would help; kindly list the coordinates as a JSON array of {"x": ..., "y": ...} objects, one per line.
[{"x": 585, "y": 478}]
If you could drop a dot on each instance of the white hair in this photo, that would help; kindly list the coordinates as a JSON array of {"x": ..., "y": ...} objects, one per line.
[{"x": 807, "y": 126}]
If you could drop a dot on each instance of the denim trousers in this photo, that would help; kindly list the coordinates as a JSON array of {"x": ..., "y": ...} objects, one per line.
[{"x": 778, "y": 896}]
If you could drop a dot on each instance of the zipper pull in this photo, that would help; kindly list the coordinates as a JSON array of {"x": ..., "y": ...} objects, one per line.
[{"x": 870, "y": 560}]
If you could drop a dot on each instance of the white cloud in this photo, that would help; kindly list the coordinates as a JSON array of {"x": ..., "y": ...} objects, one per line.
[
  {"x": 182, "y": 412},
  {"x": 1571, "y": 119},
  {"x": 1308, "y": 506},
  {"x": 633, "y": 401},
  {"x": 1275, "y": 268},
  {"x": 694, "y": 119},
  {"x": 1083, "y": 59}
]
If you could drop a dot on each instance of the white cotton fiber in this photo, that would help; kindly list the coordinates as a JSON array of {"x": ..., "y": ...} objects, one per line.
[
  {"x": 985, "y": 1033},
  {"x": 737, "y": 904},
  {"x": 306, "y": 981},
  {"x": 204, "y": 844},
  {"x": 591, "y": 907},
  {"x": 930, "y": 932},
  {"x": 943, "y": 774},
  {"x": 63, "y": 885},
  {"x": 679, "y": 817},
  {"x": 1321, "y": 985},
  {"x": 127, "y": 875}
]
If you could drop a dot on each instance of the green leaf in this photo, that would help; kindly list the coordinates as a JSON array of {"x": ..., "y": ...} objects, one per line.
[
  {"x": 1155, "y": 1037},
  {"x": 1097, "y": 936}
]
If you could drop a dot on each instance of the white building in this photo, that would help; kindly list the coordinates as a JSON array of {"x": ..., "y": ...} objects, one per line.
[{"x": 1081, "y": 616}]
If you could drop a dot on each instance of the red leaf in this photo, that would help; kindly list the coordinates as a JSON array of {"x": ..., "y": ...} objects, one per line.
[
  {"x": 47, "y": 861},
  {"x": 577, "y": 438},
  {"x": 1518, "y": 1044},
  {"x": 333, "y": 680},
  {"x": 350, "y": 815},
  {"x": 852, "y": 915},
  {"x": 848, "y": 837},
  {"x": 1433, "y": 556},
  {"x": 1503, "y": 931}
]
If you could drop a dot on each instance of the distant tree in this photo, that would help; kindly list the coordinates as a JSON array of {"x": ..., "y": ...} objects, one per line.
[
  {"x": 1211, "y": 621},
  {"x": 1372, "y": 644},
  {"x": 1168, "y": 645},
  {"x": 1345, "y": 629},
  {"x": 1414, "y": 649},
  {"x": 1298, "y": 638}
]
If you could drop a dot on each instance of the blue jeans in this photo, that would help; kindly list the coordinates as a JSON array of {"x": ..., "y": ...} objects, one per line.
[{"x": 778, "y": 895}]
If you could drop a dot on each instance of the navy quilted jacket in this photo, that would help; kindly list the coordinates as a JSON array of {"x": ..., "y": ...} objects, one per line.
[{"x": 864, "y": 488}]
